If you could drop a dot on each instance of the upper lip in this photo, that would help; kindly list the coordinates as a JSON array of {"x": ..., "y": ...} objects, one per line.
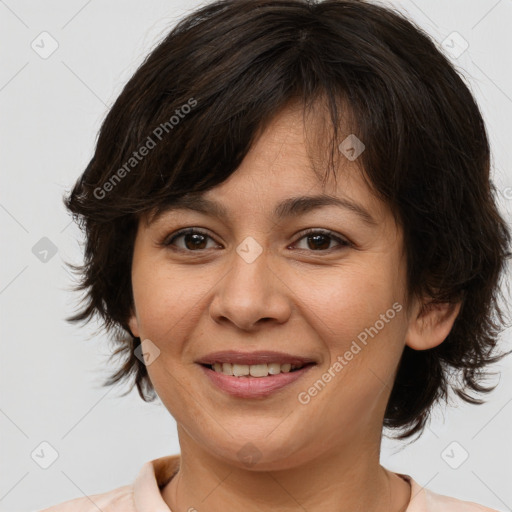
[{"x": 258, "y": 357}]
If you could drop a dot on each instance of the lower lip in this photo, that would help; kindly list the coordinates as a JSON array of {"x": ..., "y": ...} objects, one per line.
[{"x": 253, "y": 387}]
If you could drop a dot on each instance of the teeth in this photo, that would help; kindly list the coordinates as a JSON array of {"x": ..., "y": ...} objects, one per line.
[
  {"x": 254, "y": 370},
  {"x": 273, "y": 368},
  {"x": 239, "y": 370}
]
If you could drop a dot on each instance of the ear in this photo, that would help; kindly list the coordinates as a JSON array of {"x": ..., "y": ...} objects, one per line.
[
  {"x": 430, "y": 324},
  {"x": 133, "y": 324}
]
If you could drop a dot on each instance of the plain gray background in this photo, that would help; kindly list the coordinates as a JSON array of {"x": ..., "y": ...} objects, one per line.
[{"x": 52, "y": 107}]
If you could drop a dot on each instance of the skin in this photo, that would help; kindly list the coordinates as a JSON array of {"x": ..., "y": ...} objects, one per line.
[{"x": 295, "y": 298}]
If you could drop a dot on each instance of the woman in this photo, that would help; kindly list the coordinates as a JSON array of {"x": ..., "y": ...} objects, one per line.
[{"x": 289, "y": 220}]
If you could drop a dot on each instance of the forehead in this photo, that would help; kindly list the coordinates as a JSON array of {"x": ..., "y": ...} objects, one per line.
[{"x": 284, "y": 174}]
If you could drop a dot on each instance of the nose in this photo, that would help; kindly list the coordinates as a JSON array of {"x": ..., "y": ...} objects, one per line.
[{"x": 251, "y": 294}]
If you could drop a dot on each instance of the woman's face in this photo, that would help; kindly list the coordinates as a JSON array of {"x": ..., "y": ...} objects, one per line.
[{"x": 252, "y": 281}]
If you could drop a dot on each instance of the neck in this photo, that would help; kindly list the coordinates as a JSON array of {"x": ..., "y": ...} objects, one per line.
[{"x": 340, "y": 481}]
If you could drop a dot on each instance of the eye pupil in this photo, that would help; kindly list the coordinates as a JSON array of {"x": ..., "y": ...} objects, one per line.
[
  {"x": 196, "y": 240},
  {"x": 320, "y": 236}
]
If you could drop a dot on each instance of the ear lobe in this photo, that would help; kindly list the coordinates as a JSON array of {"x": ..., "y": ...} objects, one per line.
[
  {"x": 430, "y": 324},
  {"x": 133, "y": 324}
]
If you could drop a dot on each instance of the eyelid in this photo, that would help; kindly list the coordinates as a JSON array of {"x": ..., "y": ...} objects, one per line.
[
  {"x": 185, "y": 231},
  {"x": 335, "y": 236}
]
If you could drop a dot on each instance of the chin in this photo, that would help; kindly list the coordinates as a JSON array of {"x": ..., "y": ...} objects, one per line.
[{"x": 260, "y": 452}]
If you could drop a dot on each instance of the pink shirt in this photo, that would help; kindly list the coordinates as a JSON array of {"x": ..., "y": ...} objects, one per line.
[{"x": 144, "y": 494}]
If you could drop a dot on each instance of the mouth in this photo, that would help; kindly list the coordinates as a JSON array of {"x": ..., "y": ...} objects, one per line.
[
  {"x": 255, "y": 370},
  {"x": 256, "y": 376}
]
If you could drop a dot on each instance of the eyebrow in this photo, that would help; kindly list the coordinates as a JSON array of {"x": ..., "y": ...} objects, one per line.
[{"x": 291, "y": 207}]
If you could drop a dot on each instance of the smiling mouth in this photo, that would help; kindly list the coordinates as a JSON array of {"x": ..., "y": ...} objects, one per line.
[{"x": 255, "y": 370}]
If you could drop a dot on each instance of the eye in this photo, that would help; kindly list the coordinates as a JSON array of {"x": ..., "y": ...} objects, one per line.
[
  {"x": 195, "y": 240},
  {"x": 192, "y": 238},
  {"x": 320, "y": 239}
]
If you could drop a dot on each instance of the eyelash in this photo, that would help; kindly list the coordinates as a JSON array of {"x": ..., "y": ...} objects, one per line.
[{"x": 169, "y": 241}]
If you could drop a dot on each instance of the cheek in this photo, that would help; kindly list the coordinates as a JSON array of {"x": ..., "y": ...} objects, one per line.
[
  {"x": 169, "y": 302},
  {"x": 358, "y": 316},
  {"x": 343, "y": 303}
]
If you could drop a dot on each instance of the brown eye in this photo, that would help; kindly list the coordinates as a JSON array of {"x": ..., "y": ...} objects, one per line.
[
  {"x": 320, "y": 240},
  {"x": 193, "y": 240}
]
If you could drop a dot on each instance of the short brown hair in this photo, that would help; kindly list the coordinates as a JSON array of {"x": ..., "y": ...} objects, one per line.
[{"x": 235, "y": 64}]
